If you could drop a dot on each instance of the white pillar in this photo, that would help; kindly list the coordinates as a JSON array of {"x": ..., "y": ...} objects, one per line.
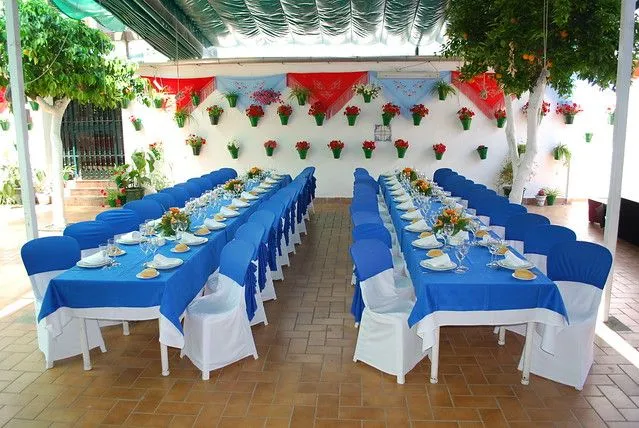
[
  {"x": 14, "y": 51},
  {"x": 624, "y": 76}
]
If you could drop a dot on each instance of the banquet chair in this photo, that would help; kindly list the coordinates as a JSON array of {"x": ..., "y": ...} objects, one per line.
[
  {"x": 381, "y": 233},
  {"x": 89, "y": 235},
  {"x": 197, "y": 181},
  {"x": 208, "y": 180},
  {"x": 43, "y": 259},
  {"x": 268, "y": 220},
  {"x": 517, "y": 226},
  {"x": 361, "y": 217},
  {"x": 539, "y": 240},
  {"x": 164, "y": 199},
  {"x": 580, "y": 270},
  {"x": 179, "y": 194},
  {"x": 216, "y": 327},
  {"x": 217, "y": 178},
  {"x": 254, "y": 233},
  {"x": 147, "y": 209},
  {"x": 384, "y": 340},
  {"x": 228, "y": 173},
  {"x": 191, "y": 188},
  {"x": 121, "y": 220},
  {"x": 441, "y": 173},
  {"x": 277, "y": 207},
  {"x": 499, "y": 215},
  {"x": 284, "y": 197}
]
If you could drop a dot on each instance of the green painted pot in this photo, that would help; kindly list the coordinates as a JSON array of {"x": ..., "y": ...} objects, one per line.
[
  {"x": 336, "y": 153},
  {"x": 284, "y": 119},
  {"x": 254, "y": 120},
  {"x": 351, "y": 119},
  {"x": 232, "y": 99},
  {"x": 196, "y": 150},
  {"x": 269, "y": 151},
  {"x": 483, "y": 152},
  {"x": 303, "y": 153},
  {"x": 569, "y": 119},
  {"x": 466, "y": 123},
  {"x": 214, "y": 119},
  {"x": 417, "y": 119},
  {"x": 235, "y": 153},
  {"x": 401, "y": 152},
  {"x": 501, "y": 122},
  {"x": 439, "y": 156},
  {"x": 550, "y": 199},
  {"x": 180, "y": 121},
  {"x": 301, "y": 99},
  {"x": 386, "y": 119},
  {"x": 367, "y": 98},
  {"x": 368, "y": 153},
  {"x": 589, "y": 137},
  {"x": 319, "y": 119}
]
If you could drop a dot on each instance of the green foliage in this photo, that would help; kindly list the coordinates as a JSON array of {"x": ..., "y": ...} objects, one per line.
[
  {"x": 507, "y": 36},
  {"x": 63, "y": 58},
  {"x": 561, "y": 151},
  {"x": 441, "y": 86},
  {"x": 10, "y": 179}
]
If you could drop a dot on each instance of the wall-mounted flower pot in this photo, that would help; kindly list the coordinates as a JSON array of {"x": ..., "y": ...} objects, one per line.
[
  {"x": 137, "y": 126},
  {"x": 214, "y": 119},
  {"x": 417, "y": 119},
  {"x": 284, "y": 119},
  {"x": 483, "y": 152},
  {"x": 35, "y": 106},
  {"x": 232, "y": 99},
  {"x": 569, "y": 119},
  {"x": 367, "y": 98},
  {"x": 386, "y": 119},
  {"x": 401, "y": 151},
  {"x": 336, "y": 153},
  {"x": 319, "y": 119},
  {"x": 180, "y": 121},
  {"x": 254, "y": 120},
  {"x": 466, "y": 123},
  {"x": 302, "y": 153},
  {"x": 269, "y": 151},
  {"x": 301, "y": 99},
  {"x": 351, "y": 119},
  {"x": 196, "y": 150},
  {"x": 550, "y": 199},
  {"x": 235, "y": 153},
  {"x": 501, "y": 122},
  {"x": 5, "y": 126},
  {"x": 158, "y": 102},
  {"x": 368, "y": 153},
  {"x": 195, "y": 100},
  {"x": 611, "y": 118},
  {"x": 439, "y": 156},
  {"x": 589, "y": 137},
  {"x": 442, "y": 94}
]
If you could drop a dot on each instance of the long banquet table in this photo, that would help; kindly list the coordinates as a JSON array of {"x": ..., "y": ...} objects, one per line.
[
  {"x": 116, "y": 293},
  {"x": 481, "y": 296}
]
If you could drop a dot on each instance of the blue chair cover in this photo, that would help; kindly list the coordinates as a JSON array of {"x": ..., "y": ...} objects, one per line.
[
  {"x": 192, "y": 189},
  {"x": 363, "y": 206},
  {"x": 518, "y": 225},
  {"x": 228, "y": 173},
  {"x": 540, "y": 239},
  {"x": 252, "y": 233},
  {"x": 121, "y": 220},
  {"x": 580, "y": 261},
  {"x": 179, "y": 194},
  {"x": 370, "y": 257},
  {"x": 500, "y": 213},
  {"x": 50, "y": 253},
  {"x": 217, "y": 178},
  {"x": 147, "y": 209},
  {"x": 206, "y": 178},
  {"x": 361, "y": 217},
  {"x": 236, "y": 263},
  {"x": 165, "y": 199},
  {"x": 368, "y": 180},
  {"x": 450, "y": 182},
  {"x": 277, "y": 208},
  {"x": 372, "y": 231},
  {"x": 441, "y": 173},
  {"x": 360, "y": 171},
  {"x": 89, "y": 234},
  {"x": 267, "y": 220}
]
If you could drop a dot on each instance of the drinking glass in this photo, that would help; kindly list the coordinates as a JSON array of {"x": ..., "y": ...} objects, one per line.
[
  {"x": 461, "y": 251},
  {"x": 493, "y": 247},
  {"x": 447, "y": 231}
]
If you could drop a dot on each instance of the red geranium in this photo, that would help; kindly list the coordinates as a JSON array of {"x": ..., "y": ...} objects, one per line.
[
  {"x": 368, "y": 145},
  {"x": 465, "y": 113},
  {"x": 284, "y": 110},
  {"x": 336, "y": 144},
  {"x": 270, "y": 144},
  {"x": 500, "y": 113},
  {"x": 419, "y": 109},
  {"x": 545, "y": 108},
  {"x": 439, "y": 148},
  {"x": 401, "y": 144},
  {"x": 352, "y": 111},
  {"x": 255, "y": 111},
  {"x": 317, "y": 109},
  {"x": 302, "y": 145},
  {"x": 568, "y": 109},
  {"x": 390, "y": 109}
]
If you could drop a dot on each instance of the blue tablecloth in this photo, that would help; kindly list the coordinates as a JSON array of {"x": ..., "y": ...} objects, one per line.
[
  {"x": 481, "y": 296},
  {"x": 116, "y": 293}
]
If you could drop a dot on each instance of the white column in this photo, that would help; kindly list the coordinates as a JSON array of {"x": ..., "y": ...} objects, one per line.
[
  {"x": 14, "y": 51},
  {"x": 624, "y": 75}
]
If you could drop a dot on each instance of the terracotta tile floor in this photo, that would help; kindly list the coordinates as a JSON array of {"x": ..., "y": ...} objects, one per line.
[{"x": 305, "y": 376}]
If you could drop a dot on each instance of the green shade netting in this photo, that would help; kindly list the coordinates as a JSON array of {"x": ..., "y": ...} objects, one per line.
[{"x": 80, "y": 9}]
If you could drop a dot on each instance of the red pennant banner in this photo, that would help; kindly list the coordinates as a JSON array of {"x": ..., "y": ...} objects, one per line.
[
  {"x": 483, "y": 90},
  {"x": 333, "y": 90},
  {"x": 182, "y": 88}
]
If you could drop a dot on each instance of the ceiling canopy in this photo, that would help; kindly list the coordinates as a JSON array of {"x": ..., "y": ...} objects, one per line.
[{"x": 185, "y": 29}]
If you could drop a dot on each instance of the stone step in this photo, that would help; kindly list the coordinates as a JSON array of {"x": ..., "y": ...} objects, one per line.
[
  {"x": 84, "y": 201},
  {"x": 88, "y": 191},
  {"x": 90, "y": 184}
]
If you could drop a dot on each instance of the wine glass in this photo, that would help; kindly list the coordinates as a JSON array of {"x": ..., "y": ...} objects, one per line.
[
  {"x": 145, "y": 247},
  {"x": 447, "y": 230},
  {"x": 493, "y": 247},
  {"x": 461, "y": 250}
]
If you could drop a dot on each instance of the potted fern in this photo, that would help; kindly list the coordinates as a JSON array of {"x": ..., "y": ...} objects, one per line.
[
  {"x": 180, "y": 116},
  {"x": 443, "y": 89},
  {"x": 551, "y": 195},
  {"x": 301, "y": 94},
  {"x": 232, "y": 97},
  {"x": 562, "y": 152}
]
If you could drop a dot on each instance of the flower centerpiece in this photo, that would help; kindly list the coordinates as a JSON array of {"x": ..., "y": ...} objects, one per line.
[
  {"x": 302, "y": 148},
  {"x": 254, "y": 172},
  {"x": 419, "y": 112},
  {"x": 235, "y": 185},
  {"x": 266, "y": 96},
  {"x": 300, "y": 93},
  {"x": 336, "y": 147},
  {"x": 351, "y": 113},
  {"x": 114, "y": 197},
  {"x": 318, "y": 111},
  {"x": 368, "y": 146},
  {"x": 180, "y": 116},
  {"x": 232, "y": 97},
  {"x": 500, "y": 115},
  {"x": 170, "y": 218},
  {"x": 401, "y": 146},
  {"x": 389, "y": 111},
  {"x": 453, "y": 217},
  {"x": 254, "y": 112},
  {"x": 233, "y": 148},
  {"x": 214, "y": 112},
  {"x": 369, "y": 91},
  {"x": 569, "y": 111},
  {"x": 284, "y": 111},
  {"x": 270, "y": 146},
  {"x": 482, "y": 151},
  {"x": 408, "y": 173},
  {"x": 439, "y": 150},
  {"x": 422, "y": 186},
  {"x": 137, "y": 122},
  {"x": 465, "y": 116},
  {"x": 196, "y": 143}
]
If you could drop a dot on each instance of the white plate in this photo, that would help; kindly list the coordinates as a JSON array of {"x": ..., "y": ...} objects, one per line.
[
  {"x": 524, "y": 279},
  {"x": 452, "y": 266},
  {"x": 127, "y": 242},
  {"x": 120, "y": 253},
  {"x": 176, "y": 263},
  {"x": 501, "y": 263},
  {"x": 89, "y": 266},
  {"x": 150, "y": 277},
  {"x": 427, "y": 247}
]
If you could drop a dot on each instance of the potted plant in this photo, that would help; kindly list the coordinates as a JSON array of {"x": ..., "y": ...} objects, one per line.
[
  {"x": 233, "y": 148},
  {"x": 195, "y": 98},
  {"x": 270, "y": 146},
  {"x": 419, "y": 112},
  {"x": 443, "y": 89},
  {"x": 29, "y": 123},
  {"x": 138, "y": 175},
  {"x": 318, "y": 111},
  {"x": 521, "y": 149},
  {"x": 10, "y": 192},
  {"x": 439, "y": 150},
  {"x": 505, "y": 178},
  {"x": 500, "y": 115},
  {"x": 302, "y": 148},
  {"x": 232, "y": 97},
  {"x": 137, "y": 122},
  {"x": 401, "y": 146},
  {"x": 588, "y": 136},
  {"x": 158, "y": 102},
  {"x": 196, "y": 143},
  {"x": 540, "y": 198},
  {"x": 482, "y": 151},
  {"x": 214, "y": 112},
  {"x": 369, "y": 91},
  {"x": 551, "y": 195},
  {"x": 611, "y": 115},
  {"x": 368, "y": 146},
  {"x": 568, "y": 111},
  {"x": 68, "y": 173},
  {"x": 300, "y": 93},
  {"x": 465, "y": 116},
  {"x": 545, "y": 109},
  {"x": 114, "y": 197},
  {"x": 336, "y": 147},
  {"x": 284, "y": 111},
  {"x": 562, "y": 152},
  {"x": 5, "y": 124},
  {"x": 351, "y": 113},
  {"x": 180, "y": 116},
  {"x": 389, "y": 111},
  {"x": 254, "y": 112},
  {"x": 34, "y": 105},
  {"x": 41, "y": 187}
]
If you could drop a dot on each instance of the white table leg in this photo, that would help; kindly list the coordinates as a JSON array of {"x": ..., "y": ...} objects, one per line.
[
  {"x": 502, "y": 336},
  {"x": 125, "y": 328},
  {"x": 84, "y": 344},
  {"x": 434, "y": 358},
  {"x": 164, "y": 356},
  {"x": 525, "y": 373}
]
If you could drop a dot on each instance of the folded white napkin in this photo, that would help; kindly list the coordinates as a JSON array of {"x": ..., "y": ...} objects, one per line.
[
  {"x": 511, "y": 260},
  {"x": 130, "y": 238},
  {"x": 405, "y": 206},
  {"x": 160, "y": 261},
  {"x": 402, "y": 199},
  {"x": 269, "y": 180},
  {"x": 265, "y": 185},
  {"x": 388, "y": 174},
  {"x": 399, "y": 192},
  {"x": 260, "y": 189},
  {"x": 418, "y": 226},
  {"x": 247, "y": 195},
  {"x": 213, "y": 225},
  {"x": 239, "y": 203},
  {"x": 227, "y": 212},
  {"x": 396, "y": 186},
  {"x": 190, "y": 239},
  {"x": 457, "y": 238},
  {"x": 439, "y": 262},
  {"x": 429, "y": 241},
  {"x": 95, "y": 259},
  {"x": 412, "y": 215}
]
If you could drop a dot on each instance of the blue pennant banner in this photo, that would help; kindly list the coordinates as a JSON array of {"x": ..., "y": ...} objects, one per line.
[{"x": 246, "y": 86}]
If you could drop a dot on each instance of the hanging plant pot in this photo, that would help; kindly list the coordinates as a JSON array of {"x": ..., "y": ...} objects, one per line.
[
  {"x": 589, "y": 137},
  {"x": 367, "y": 98},
  {"x": 386, "y": 119},
  {"x": 269, "y": 151},
  {"x": 232, "y": 99},
  {"x": 556, "y": 155},
  {"x": 284, "y": 119},
  {"x": 336, "y": 153},
  {"x": 466, "y": 123},
  {"x": 158, "y": 102},
  {"x": 417, "y": 119},
  {"x": 29, "y": 126},
  {"x": 302, "y": 153},
  {"x": 137, "y": 126},
  {"x": 254, "y": 120},
  {"x": 5, "y": 125},
  {"x": 439, "y": 156},
  {"x": 483, "y": 152},
  {"x": 235, "y": 153},
  {"x": 351, "y": 119},
  {"x": 611, "y": 118},
  {"x": 214, "y": 119},
  {"x": 569, "y": 119},
  {"x": 195, "y": 100},
  {"x": 501, "y": 122},
  {"x": 196, "y": 150},
  {"x": 301, "y": 99},
  {"x": 35, "y": 106},
  {"x": 442, "y": 94},
  {"x": 401, "y": 151},
  {"x": 368, "y": 153},
  {"x": 319, "y": 119},
  {"x": 180, "y": 121},
  {"x": 123, "y": 104}
]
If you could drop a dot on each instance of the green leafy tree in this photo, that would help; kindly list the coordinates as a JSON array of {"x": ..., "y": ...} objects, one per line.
[
  {"x": 65, "y": 60},
  {"x": 530, "y": 47}
]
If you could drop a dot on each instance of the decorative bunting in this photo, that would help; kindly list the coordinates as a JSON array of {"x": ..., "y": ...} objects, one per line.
[
  {"x": 246, "y": 86},
  {"x": 182, "y": 88},
  {"x": 407, "y": 92},
  {"x": 483, "y": 90},
  {"x": 333, "y": 90}
]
